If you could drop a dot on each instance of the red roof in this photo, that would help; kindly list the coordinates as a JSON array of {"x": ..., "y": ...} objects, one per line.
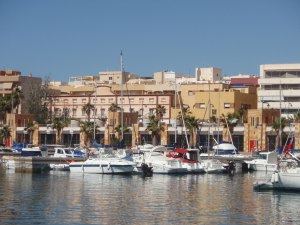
[{"x": 249, "y": 81}]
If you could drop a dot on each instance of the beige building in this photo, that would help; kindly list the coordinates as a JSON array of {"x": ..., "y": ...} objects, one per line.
[
  {"x": 257, "y": 128},
  {"x": 207, "y": 100},
  {"x": 143, "y": 103},
  {"x": 12, "y": 79},
  {"x": 280, "y": 82},
  {"x": 115, "y": 77},
  {"x": 211, "y": 74}
]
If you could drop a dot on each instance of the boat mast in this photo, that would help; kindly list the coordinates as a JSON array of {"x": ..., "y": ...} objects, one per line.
[
  {"x": 122, "y": 115},
  {"x": 280, "y": 125},
  {"x": 185, "y": 132},
  {"x": 209, "y": 112},
  {"x": 176, "y": 113}
]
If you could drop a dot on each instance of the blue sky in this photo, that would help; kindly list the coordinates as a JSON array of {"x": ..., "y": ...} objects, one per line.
[{"x": 60, "y": 38}]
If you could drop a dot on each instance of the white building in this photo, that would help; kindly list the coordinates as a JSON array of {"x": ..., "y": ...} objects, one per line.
[
  {"x": 280, "y": 87},
  {"x": 211, "y": 74}
]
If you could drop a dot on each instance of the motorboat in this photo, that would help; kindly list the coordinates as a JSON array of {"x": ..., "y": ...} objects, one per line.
[
  {"x": 189, "y": 159},
  {"x": 104, "y": 164},
  {"x": 266, "y": 161},
  {"x": 31, "y": 151},
  {"x": 66, "y": 154},
  {"x": 157, "y": 159},
  {"x": 286, "y": 178}
]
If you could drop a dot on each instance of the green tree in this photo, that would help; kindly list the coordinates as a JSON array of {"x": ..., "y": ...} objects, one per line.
[
  {"x": 160, "y": 111},
  {"x": 88, "y": 108},
  {"x": 30, "y": 127},
  {"x": 191, "y": 123},
  {"x": 87, "y": 129},
  {"x": 297, "y": 117},
  {"x": 155, "y": 128},
  {"x": 39, "y": 102},
  {"x": 114, "y": 108},
  {"x": 59, "y": 123},
  {"x": 5, "y": 133},
  {"x": 278, "y": 126}
]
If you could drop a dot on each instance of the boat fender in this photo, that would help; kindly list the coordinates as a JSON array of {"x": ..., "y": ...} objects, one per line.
[{"x": 108, "y": 166}]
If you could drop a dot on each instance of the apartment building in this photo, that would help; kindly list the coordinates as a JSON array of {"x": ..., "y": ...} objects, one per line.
[
  {"x": 12, "y": 79},
  {"x": 207, "y": 100},
  {"x": 104, "y": 97},
  {"x": 279, "y": 87}
]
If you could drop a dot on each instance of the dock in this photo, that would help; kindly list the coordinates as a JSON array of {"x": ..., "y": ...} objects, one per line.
[{"x": 36, "y": 164}]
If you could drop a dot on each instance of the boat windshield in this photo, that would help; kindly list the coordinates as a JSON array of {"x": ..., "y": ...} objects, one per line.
[
  {"x": 68, "y": 151},
  {"x": 262, "y": 156},
  {"x": 226, "y": 152}
]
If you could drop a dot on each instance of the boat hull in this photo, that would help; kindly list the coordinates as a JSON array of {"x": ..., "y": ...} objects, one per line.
[
  {"x": 262, "y": 167},
  {"x": 101, "y": 168}
]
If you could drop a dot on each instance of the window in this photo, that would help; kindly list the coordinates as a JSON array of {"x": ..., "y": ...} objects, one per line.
[
  {"x": 56, "y": 100},
  {"x": 151, "y": 100},
  {"x": 227, "y": 105},
  {"x": 131, "y": 100},
  {"x": 151, "y": 111},
  {"x": 83, "y": 100},
  {"x": 191, "y": 93},
  {"x": 74, "y": 111},
  {"x": 82, "y": 112},
  {"x": 109, "y": 78},
  {"x": 199, "y": 106},
  {"x": 163, "y": 100},
  {"x": 102, "y": 100},
  {"x": 141, "y": 100},
  {"x": 94, "y": 100},
  {"x": 74, "y": 100},
  {"x": 66, "y": 101},
  {"x": 111, "y": 100},
  {"x": 122, "y": 100},
  {"x": 102, "y": 112}
]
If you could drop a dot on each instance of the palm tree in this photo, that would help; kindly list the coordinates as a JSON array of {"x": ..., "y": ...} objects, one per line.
[
  {"x": 155, "y": 128},
  {"x": 59, "y": 123},
  {"x": 114, "y": 108},
  {"x": 278, "y": 125},
  {"x": 87, "y": 128},
  {"x": 192, "y": 124},
  {"x": 160, "y": 111},
  {"x": 5, "y": 133},
  {"x": 29, "y": 129},
  {"x": 88, "y": 108},
  {"x": 297, "y": 117},
  {"x": 17, "y": 95},
  {"x": 230, "y": 121}
]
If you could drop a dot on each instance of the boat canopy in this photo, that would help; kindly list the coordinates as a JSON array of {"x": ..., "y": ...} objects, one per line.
[{"x": 181, "y": 150}]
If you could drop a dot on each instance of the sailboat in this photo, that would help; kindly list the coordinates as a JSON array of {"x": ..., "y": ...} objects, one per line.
[{"x": 190, "y": 157}]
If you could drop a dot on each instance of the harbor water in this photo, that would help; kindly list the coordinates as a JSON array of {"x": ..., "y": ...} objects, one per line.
[{"x": 66, "y": 198}]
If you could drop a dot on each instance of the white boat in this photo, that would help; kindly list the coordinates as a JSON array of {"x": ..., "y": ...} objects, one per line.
[
  {"x": 266, "y": 161},
  {"x": 213, "y": 166},
  {"x": 66, "y": 154},
  {"x": 287, "y": 177},
  {"x": 160, "y": 163},
  {"x": 105, "y": 164},
  {"x": 189, "y": 159}
]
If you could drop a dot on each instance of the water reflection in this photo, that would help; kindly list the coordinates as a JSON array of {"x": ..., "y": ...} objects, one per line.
[{"x": 65, "y": 198}]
